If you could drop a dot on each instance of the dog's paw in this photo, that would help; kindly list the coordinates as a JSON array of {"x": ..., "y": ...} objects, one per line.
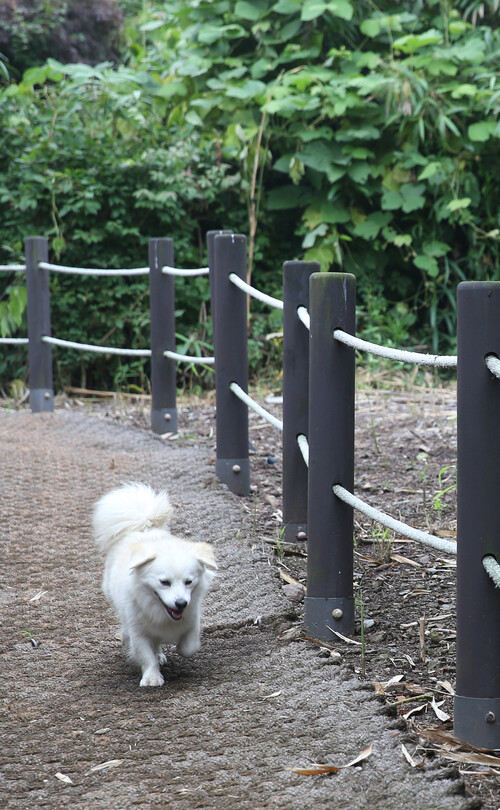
[
  {"x": 188, "y": 646},
  {"x": 152, "y": 678},
  {"x": 162, "y": 658}
]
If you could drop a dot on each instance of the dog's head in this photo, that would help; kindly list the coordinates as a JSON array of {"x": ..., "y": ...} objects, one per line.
[{"x": 175, "y": 571}]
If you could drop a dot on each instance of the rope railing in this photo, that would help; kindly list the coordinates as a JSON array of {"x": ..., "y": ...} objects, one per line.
[
  {"x": 492, "y": 568},
  {"x": 177, "y": 271},
  {"x": 12, "y": 268},
  {"x": 303, "y": 447},
  {"x": 260, "y": 296},
  {"x": 417, "y": 358},
  {"x": 446, "y": 546},
  {"x": 189, "y": 358},
  {"x": 90, "y": 347},
  {"x": 94, "y": 271},
  {"x": 493, "y": 364},
  {"x": 251, "y": 403},
  {"x": 14, "y": 341},
  {"x": 304, "y": 316}
]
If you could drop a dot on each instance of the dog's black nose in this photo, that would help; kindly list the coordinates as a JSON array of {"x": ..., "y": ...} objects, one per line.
[{"x": 180, "y": 604}]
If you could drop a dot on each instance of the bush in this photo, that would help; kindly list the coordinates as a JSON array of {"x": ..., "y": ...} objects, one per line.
[{"x": 68, "y": 30}]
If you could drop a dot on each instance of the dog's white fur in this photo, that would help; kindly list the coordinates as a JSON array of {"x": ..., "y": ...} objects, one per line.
[{"x": 154, "y": 581}]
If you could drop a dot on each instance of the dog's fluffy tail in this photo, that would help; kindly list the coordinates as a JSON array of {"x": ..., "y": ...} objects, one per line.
[{"x": 133, "y": 507}]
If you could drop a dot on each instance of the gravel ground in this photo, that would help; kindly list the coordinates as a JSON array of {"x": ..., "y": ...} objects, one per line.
[{"x": 230, "y": 725}]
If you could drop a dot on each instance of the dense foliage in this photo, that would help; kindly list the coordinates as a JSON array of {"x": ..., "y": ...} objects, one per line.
[
  {"x": 365, "y": 137},
  {"x": 67, "y": 30}
]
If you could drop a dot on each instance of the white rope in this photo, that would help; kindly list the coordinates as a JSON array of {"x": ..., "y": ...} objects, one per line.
[
  {"x": 87, "y": 347},
  {"x": 492, "y": 568},
  {"x": 395, "y": 354},
  {"x": 303, "y": 447},
  {"x": 396, "y": 525},
  {"x": 176, "y": 271},
  {"x": 493, "y": 364},
  {"x": 304, "y": 317},
  {"x": 91, "y": 271},
  {"x": 266, "y": 299},
  {"x": 12, "y": 267},
  {"x": 14, "y": 341},
  {"x": 188, "y": 358},
  {"x": 235, "y": 388}
]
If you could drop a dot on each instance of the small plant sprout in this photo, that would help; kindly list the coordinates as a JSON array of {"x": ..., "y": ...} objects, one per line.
[
  {"x": 382, "y": 544},
  {"x": 438, "y": 497}
]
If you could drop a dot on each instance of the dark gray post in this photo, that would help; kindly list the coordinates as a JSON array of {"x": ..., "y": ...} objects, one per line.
[
  {"x": 162, "y": 310},
  {"x": 231, "y": 363},
  {"x": 330, "y": 602},
  {"x": 210, "y": 236},
  {"x": 477, "y": 699},
  {"x": 39, "y": 353},
  {"x": 295, "y": 397}
]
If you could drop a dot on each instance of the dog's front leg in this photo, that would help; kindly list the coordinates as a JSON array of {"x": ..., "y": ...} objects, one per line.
[
  {"x": 189, "y": 644},
  {"x": 144, "y": 653}
]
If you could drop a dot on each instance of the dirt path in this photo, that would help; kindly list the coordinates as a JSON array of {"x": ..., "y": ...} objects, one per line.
[{"x": 229, "y": 724}]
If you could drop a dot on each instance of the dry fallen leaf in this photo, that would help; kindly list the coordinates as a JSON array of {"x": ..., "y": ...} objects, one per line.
[
  {"x": 345, "y": 638},
  {"x": 440, "y": 714},
  {"x": 409, "y": 758},
  {"x": 323, "y": 769},
  {"x": 111, "y": 763},
  {"x": 291, "y": 580},
  {"x": 272, "y": 695},
  {"x": 63, "y": 778},
  {"x": 400, "y": 559}
]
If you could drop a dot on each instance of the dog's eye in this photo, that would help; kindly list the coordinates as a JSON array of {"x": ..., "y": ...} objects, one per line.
[
  {"x": 165, "y": 582},
  {"x": 188, "y": 582}
]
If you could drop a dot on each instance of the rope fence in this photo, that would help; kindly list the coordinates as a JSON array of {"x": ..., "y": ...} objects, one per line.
[{"x": 318, "y": 431}]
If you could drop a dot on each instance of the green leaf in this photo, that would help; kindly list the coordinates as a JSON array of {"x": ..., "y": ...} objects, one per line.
[
  {"x": 310, "y": 238},
  {"x": 403, "y": 240},
  {"x": 312, "y": 9},
  {"x": 248, "y": 11},
  {"x": 413, "y": 42},
  {"x": 457, "y": 205},
  {"x": 287, "y": 6},
  {"x": 249, "y": 89},
  {"x": 324, "y": 254},
  {"x": 413, "y": 196},
  {"x": 481, "y": 131},
  {"x": 427, "y": 263},
  {"x": 371, "y": 226},
  {"x": 436, "y": 248},
  {"x": 391, "y": 200},
  {"x": 430, "y": 170}
]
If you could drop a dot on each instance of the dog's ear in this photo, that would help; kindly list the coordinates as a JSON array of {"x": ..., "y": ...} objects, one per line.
[
  {"x": 205, "y": 554},
  {"x": 141, "y": 556}
]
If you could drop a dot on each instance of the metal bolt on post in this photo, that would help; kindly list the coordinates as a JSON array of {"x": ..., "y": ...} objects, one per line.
[
  {"x": 295, "y": 397},
  {"x": 162, "y": 312},
  {"x": 477, "y": 699},
  {"x": 39, "y": 352},
  {"x": 231, "y": 362},
  {"x": 330, "y": 601}
]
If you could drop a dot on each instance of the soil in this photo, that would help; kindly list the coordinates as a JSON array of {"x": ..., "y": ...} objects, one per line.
[{"x": 254, "y": 702}]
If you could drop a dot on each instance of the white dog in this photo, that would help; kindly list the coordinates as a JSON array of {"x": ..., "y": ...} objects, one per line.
[{"x": 154, "y": 581}]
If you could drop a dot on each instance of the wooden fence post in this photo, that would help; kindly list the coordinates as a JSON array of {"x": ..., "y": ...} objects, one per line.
[
  {"x": 162, "y": 311},
  {"x": 295, "y": 397},
  {"x": 329, "y": 602},
  {"x": 231, "y": 363},
  {"x": 39, "y": 352}
]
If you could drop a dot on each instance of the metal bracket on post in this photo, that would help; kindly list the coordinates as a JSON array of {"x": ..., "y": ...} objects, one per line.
[
  {"x": 231, "y": 363},
  {"x": 162, "y": 312},
  {"x": 39, "y": 352},
  {"x": 477, "y": 699},
  {"x": 295, "y": 397},
  {"x": 330, "y": 601}
]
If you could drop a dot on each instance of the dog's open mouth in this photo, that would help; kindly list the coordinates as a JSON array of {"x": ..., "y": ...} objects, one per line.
[{"x": 176, "y": 615}]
